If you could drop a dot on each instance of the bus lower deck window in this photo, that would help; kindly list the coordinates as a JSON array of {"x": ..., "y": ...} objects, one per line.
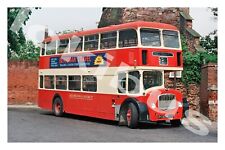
[
  {"x": 122, "y": 82},
  {"x": 89, "y": 83},
  {"x": 134, "y": 82},
  {"x": 61, "y": 82},
  {"x": 49, "y": 82},
  {"x": 75, "y": 82}
]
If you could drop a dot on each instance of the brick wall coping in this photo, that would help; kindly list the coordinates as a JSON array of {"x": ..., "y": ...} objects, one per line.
[{"x": 210, "y": 65}]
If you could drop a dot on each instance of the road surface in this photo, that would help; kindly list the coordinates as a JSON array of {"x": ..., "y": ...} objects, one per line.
[{"x": 35, "y": 125}]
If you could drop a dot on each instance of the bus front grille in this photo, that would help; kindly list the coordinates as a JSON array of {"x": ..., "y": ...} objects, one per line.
[{"x": 167, "y": 101}]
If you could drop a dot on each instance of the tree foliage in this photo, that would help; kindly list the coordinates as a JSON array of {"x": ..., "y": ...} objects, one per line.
[
  {"x": 210, "y": 45},
  {"x": 192, "y": 65},
  {"x": 194, "y": 61},
  {"x": 28, "y": 51},
  {"x": 17, "y": 43}
]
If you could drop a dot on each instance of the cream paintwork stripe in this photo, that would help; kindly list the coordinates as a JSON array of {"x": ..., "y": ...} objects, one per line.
[{"x": 107, "y": 80}]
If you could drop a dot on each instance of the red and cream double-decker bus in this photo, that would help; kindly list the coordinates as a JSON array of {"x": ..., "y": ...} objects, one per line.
[{"x": 114, "y": 73}]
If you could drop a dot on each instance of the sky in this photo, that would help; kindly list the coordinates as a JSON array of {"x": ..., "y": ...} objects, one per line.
[
  {"x": 59, "y": 19},
  {"x": 203, "y": 22}
]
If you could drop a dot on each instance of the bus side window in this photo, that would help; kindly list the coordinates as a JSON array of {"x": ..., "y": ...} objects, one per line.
[
  {"x": 76, "y": 44},
  {"x": 42, "y": 49},
  {"x": 49, "y": 82},
  {"x": 63, "y": 46},
  {"x": 134, "y": 82},
  {"x": 75, "y": 82},
  {"x": 128, "y": 38},
  {"x": 108, "y": 40},
  {"x": 41, "y": 81},
  {"x": 91, "y": 42},
  {"x": 61, "y": 82},
  {"x": 122, "y": 82},
  {"x": 89, "y": 83},
  {"x": 51, "y": 48}
]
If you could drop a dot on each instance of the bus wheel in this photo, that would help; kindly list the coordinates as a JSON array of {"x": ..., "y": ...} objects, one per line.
[
  {"x": 175, "y": 123},
  {"x": 57, "y": 107},
  {"x": 132, "y": 116}
]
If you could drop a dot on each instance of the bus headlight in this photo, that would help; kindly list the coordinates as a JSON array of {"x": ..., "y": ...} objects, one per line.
[
  {"x": 153, "y": 106},
  {"x": 180, "y": 104}
]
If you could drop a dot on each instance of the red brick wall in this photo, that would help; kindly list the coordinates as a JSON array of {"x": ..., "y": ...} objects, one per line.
[
  {"x": 22, "y": 82},
  {"x": 191, "y": 92},
  {"x": 170, "y": 15},
  {"x": 209, "y": 91}
]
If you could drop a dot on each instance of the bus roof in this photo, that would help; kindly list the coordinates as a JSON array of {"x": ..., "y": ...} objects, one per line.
[{"x": 113, "y": 28}]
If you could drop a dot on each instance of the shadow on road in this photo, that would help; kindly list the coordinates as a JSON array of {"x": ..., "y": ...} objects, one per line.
[{"x": 142, "y": 125}]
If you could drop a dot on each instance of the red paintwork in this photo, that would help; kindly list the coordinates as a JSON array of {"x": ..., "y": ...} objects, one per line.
[
  {"x": 134, "y": 25},
  {"x": 154, "y": 113},
  {"x": 100, "y": 105},
  {"x": 126, "y": 56}
]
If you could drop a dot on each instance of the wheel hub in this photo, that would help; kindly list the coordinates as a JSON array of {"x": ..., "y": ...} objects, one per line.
[
  {"x": 57, "y": 108},
  {"x": 128, "y": 116}
]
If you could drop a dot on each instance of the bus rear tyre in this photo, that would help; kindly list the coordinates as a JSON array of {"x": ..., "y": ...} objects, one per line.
[
  {"x": 175, "y": 123},
  {"x": 57, "y": 107},
  {"x": 132, "y": 116}
]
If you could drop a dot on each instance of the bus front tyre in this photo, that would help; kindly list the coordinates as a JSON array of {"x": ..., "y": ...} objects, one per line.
[
  {"x": 132, "y": 116},
  {"x": 57, "y": 107},
  {"x": 175, "y": 123}
]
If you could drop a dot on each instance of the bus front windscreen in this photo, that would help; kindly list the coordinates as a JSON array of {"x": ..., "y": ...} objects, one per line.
[
  {"x": 171, "y": 39},
  {"x": 150, "y": 37},
  {"x": 152, "y": 79}
]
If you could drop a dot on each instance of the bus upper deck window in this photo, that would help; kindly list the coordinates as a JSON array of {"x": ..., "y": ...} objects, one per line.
[
  {"x": 63, "y": 46},
  {"x": 42, "y": 51},
  {"x": 128, "y": 38},
  {"x": 150, "y": 37},
  {"x": 171, "y": 39},
  {"x": 41, "y": 81},
  {"x": 108, "y": 40},
  {"x": 91, "y": 42},
  {"x": 51, "y": 48},
  {"x": 76, "y": 44}
]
